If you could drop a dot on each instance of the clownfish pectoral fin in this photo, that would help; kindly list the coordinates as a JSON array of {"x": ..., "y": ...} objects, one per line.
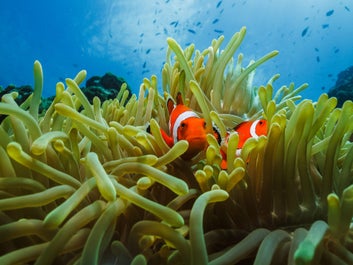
[{"x": 168, "y": 139}]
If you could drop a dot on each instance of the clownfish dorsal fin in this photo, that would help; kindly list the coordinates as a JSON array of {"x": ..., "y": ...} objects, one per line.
[
  {"x": 170, "y": 105},
  {"x": 179, "y": 99}
]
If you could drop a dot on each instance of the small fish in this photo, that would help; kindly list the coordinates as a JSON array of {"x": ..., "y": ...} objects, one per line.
[
  {"x": 218, "y": 31},
  {"x": 218, "y": 4},
  {"x": 324, "y": 26},
  {"x": 174, "y": 23},
  {"x": 318, "y": 59},
  {"x": 245, "y": 130},
  {"x": 347, "y": 8},
  {"x": 192, "y": 31},
  {"x": 148, "y": 51},
  {"x": 329, "y": 13},
  {"x": 185, "y": 124},
  {"x": 305, "y": 31},
  {"x": 215, "y": 21}
]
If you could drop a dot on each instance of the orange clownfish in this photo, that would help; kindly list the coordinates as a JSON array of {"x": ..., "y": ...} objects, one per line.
[
  {"x": 245, "y": 130},
  {"x": 185, "y": 124}
]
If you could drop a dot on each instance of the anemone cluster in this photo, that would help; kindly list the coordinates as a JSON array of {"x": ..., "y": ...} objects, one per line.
[{"x": 86, "y": 183}]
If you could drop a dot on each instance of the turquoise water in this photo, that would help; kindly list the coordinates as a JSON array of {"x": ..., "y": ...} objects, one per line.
[{"x": 128, "y": 38}]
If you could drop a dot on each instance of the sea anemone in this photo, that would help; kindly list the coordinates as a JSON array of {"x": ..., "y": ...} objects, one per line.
[{"x": 86, "y": 183}]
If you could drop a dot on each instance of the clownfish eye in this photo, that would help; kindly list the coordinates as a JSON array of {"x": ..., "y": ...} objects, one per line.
[
  {"x": 183, "y": 125},
  {"x": 261, "y": 122},
  {"x": 204, "y": 124}
]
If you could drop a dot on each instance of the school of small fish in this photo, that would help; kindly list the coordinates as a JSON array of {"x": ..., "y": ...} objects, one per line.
[{"x": 214, "y": 24}]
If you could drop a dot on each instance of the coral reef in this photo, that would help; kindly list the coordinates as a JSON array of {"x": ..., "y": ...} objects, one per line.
[
  {"x": 23, "y": 93},
  {"x": 343, "y": 89},
  {"x": 107, "y": 87},
  {"x": 84, "y": 183}
]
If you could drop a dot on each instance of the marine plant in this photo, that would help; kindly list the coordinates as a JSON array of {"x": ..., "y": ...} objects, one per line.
[{"x": 87, "y": 184}]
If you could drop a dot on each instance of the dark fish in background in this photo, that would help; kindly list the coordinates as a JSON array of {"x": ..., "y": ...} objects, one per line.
[
  {"x": 218, "y": 4},
  {"x": 305, "y": 31},
  {"x": 192, "y": 31},
  {"x": 347, "y": 8},
  {"x": 148, "y": 51},
  {"x": 174, "y": 23},
  {"x": 324, "y": 26},
  {"x": 215, "y": 21},
  {"x": 337, "y": 50},
  {"x": 329, "y": 13},
  {"x": 318, "y": 59},
  {"x": 316, "y": 49},
  {"x": 218, "y": 31},
  {"x": 144, "y": 65}
]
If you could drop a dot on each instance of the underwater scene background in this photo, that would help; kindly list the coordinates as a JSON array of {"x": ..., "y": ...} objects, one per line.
[
  {"x": 209, "y": 154},
  {"x": 128, "y": 38}
]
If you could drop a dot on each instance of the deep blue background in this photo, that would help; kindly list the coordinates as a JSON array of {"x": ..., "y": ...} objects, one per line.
[{"x": 128, "y": 38}]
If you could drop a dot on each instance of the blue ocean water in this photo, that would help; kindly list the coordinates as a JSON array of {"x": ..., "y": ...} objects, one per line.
[{"x": 128, "y": 38}]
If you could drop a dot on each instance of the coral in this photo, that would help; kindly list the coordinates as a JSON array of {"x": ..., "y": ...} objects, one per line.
[
  {"x": 84, "y": 183},
  {"x": 23, "y": 93},
  {"x": 343, "y": 88},
  {"x": 106, "y": 87}
]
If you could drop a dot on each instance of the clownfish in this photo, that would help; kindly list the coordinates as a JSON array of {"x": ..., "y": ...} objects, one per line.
[
  {"x": 245, "y": 130},
  {"x": 185, "y": 124}
]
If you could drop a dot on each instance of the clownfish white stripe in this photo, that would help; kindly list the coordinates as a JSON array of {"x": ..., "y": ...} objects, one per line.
[
  {"x": 253, "y": 129},
  {"x": 183, "y": 116}
]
